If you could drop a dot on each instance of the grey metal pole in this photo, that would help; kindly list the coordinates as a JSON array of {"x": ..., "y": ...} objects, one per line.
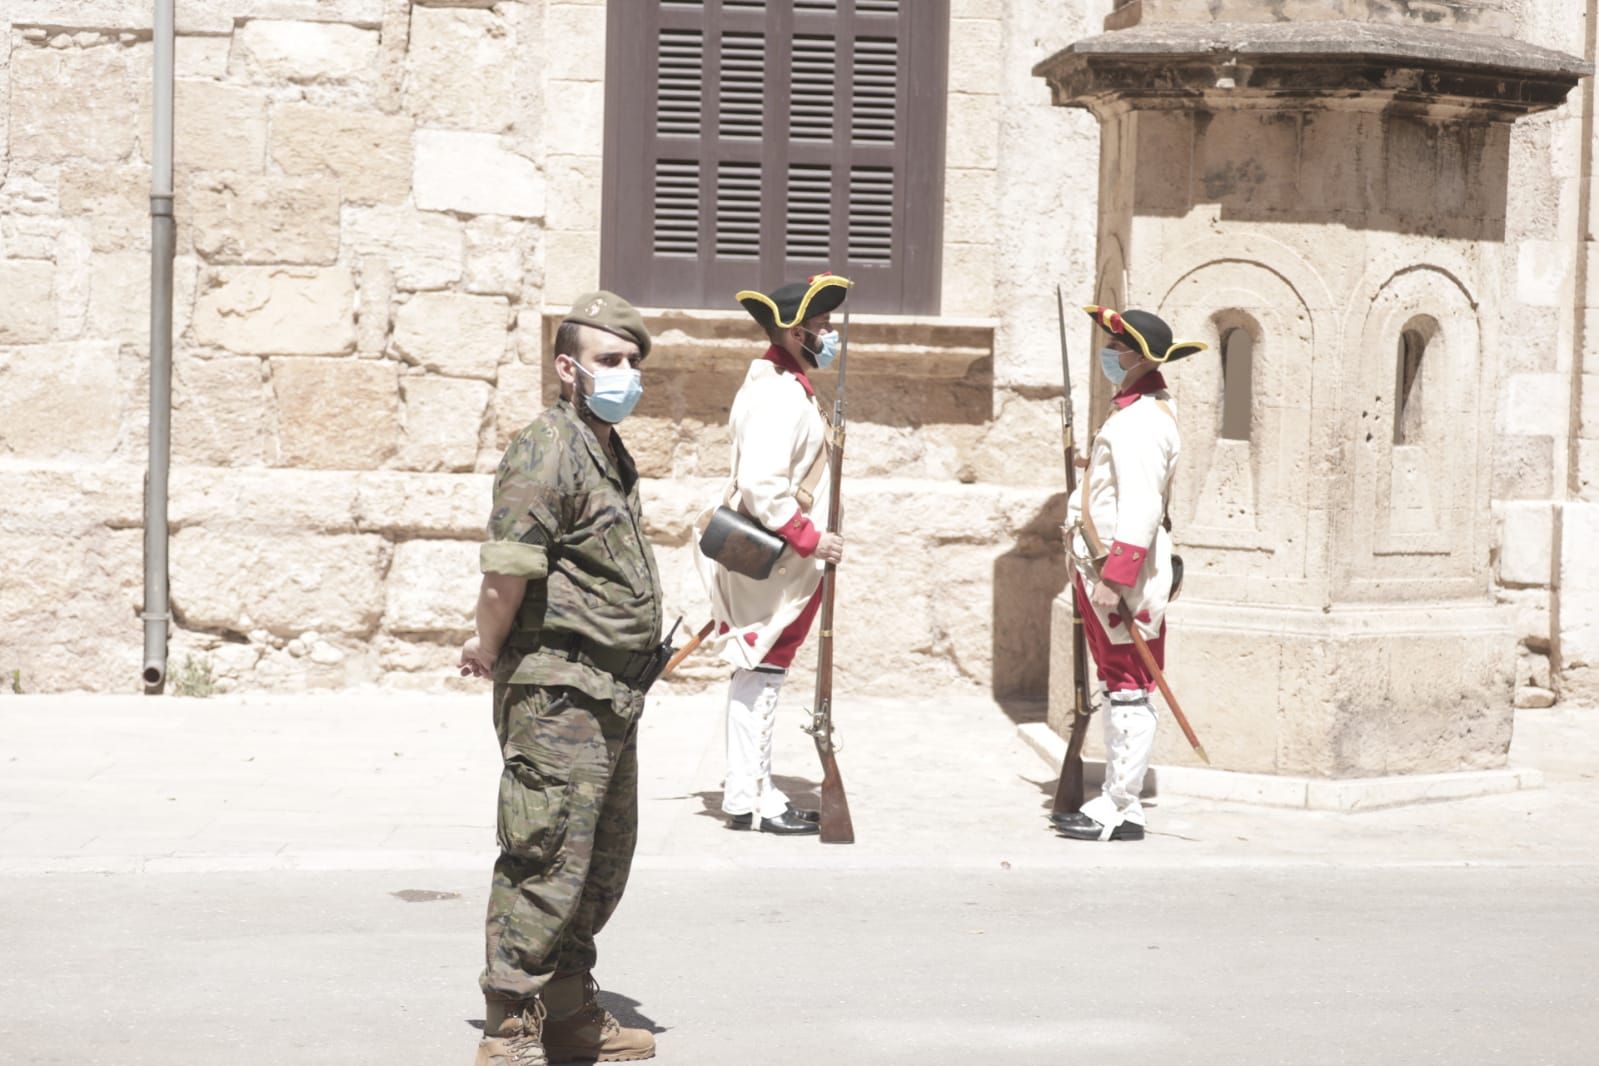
[{"x": 157, "y": 613}]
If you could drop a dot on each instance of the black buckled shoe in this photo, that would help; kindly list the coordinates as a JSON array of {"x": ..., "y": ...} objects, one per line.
[
  {"x": 790, "y": 823},
  {"x": 1079, "y": 826},
  {"x": 801, "y": 812}
]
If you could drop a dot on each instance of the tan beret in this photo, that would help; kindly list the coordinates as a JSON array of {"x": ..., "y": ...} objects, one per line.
[{"x": 608, "y": 311}]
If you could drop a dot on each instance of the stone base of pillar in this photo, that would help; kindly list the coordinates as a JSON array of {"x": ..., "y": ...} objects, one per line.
[{"x": 1354, "y": 691}]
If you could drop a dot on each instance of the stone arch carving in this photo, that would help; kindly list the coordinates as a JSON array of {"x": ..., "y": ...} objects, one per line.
[
  {"x": 1426, "y": 499},
  {"x": 1307, "y": 283},
  {"x": 1242, "y": 505}
]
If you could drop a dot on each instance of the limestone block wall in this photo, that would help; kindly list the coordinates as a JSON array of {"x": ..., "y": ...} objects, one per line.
[
  {"x": 360, "y": 209},
  {"x": 1547, "y": 463},
  {"x": 381, "y": 204}
]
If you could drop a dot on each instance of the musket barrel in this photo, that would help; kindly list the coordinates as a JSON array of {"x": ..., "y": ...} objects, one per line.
[{"x": 1069, "y": 786}]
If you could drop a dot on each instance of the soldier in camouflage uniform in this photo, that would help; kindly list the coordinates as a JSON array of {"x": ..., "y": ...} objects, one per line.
[{"x": 568, "y": 617}]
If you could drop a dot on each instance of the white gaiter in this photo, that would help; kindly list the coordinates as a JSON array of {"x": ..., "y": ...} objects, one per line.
[
  {"x": 1129, "y": 744},
  {"x": 751, "y": 720}
]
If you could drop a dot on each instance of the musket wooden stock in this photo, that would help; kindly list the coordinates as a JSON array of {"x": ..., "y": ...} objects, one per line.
[
  {"x": 688, "y": 649},
  {"x": 836, "y": 825}
]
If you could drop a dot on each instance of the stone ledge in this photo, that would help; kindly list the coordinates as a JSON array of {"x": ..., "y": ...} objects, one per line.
[
  {"x": 1331, "y": 39},
  {"x": 1304, "y": 793},
  {"x": 1343, "y": 63},
  {"x": 939, "y": 347}
]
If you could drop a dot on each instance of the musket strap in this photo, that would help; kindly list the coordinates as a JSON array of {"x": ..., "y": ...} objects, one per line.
[{"x": 806, "y": 493}]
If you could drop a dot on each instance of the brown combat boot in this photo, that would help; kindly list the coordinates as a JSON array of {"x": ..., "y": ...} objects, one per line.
[
  {"x": 578, "y": 1029},
  {"x": 513, "y": 1035}
]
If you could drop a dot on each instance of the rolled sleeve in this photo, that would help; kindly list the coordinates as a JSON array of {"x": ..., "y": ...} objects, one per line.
[
  {"x": 801, "y": 533},
  {"x": 527, "y": 506},
  {"x": 513, "y": 558}
]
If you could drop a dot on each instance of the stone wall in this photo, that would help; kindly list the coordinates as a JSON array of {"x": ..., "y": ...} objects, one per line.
[
  {"x": 1546, "y": 468},
  {"x": 375, "y": 221},
  {"x": 380, "y": 205}
]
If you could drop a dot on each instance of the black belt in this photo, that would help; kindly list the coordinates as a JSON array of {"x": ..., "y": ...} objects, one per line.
[{"x": 628, "y": 667}]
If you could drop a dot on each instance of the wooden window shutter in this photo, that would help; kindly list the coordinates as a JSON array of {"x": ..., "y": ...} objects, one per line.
[{"x": 753, "y": 142}]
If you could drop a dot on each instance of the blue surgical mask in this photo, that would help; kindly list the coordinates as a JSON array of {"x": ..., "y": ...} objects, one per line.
[
  {"x": 1110, "y": 364},
  {"x": 616, "y": 392},
  {"x": 828, "y": 351}
]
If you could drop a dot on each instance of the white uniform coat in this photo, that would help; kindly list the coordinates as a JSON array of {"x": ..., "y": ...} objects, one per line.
[
  {"x": 1129, "y": 476},
  {"x": 778, "y": 431}
]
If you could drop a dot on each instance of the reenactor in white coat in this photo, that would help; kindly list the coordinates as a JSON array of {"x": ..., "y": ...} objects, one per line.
[
  {"x": 1121, "y": 551},
  {"x": 779, "y": 479}
]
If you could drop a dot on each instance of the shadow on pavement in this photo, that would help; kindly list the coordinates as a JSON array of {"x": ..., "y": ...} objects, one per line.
[
  {"x": 628, "y": 1013},
  {"x": 802, "y": 793}
]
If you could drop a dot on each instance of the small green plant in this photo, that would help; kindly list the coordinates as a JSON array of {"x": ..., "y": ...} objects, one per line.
[
  {"x": 194, "y": 678},
  {"x": 16, "y": 682}
]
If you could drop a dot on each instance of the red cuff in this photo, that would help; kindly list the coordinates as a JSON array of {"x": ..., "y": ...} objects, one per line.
[
  {"x": 1123, "y": 563},
  {"x": 801, "y": 533}
]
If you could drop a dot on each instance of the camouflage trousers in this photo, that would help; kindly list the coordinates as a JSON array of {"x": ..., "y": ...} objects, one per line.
[{"x": 568, "y": 822}]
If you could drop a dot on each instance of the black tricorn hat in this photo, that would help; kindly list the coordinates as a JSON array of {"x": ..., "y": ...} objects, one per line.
[
  {"x": 1143, "y": 332},
  {"x": 795, "y": 302}
]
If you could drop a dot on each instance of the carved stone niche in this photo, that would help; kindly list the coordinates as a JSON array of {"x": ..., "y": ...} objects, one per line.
[{"x": 1323, "y": 202}]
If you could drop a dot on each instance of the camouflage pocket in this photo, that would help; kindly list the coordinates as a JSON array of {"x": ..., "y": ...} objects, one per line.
[
  {"x": 532, "y": 811},
  {"x": 536, "y": 782}
]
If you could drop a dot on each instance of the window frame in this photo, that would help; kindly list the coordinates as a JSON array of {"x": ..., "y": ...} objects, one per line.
[{"x": 629, "y": 264}]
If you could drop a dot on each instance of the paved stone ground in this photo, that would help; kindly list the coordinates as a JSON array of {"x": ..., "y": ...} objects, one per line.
[{"x": 300, "y": 880}]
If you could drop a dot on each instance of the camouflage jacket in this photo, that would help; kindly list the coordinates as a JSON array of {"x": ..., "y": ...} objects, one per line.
[{"x": 568, "y": 519}]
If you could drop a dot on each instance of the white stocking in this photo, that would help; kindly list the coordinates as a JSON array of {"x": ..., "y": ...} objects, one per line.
[{"x": 751, "y": 721}]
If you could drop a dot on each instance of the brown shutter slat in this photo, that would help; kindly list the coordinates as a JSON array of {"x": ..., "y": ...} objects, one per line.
[
  {"x": 738, "y": 210},
  {"x": 682, "y": 75},
  {"x": 871, "y": 215},
  {"x": 809, "y": 207},
  {"x": 741, "y": 85},
  {"x": 875, "y": 84},
  {"x": 812, "y": 91},
  {"x": 677, "y": 207}
]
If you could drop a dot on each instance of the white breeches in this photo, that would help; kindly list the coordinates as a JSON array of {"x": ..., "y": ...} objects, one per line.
[
  {"x": 1129, "y": 743},
  {"x": 751, "y": 719}
]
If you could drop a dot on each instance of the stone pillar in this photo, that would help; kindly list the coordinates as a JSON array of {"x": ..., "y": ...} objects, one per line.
[{"x": 1324, "y": 203}]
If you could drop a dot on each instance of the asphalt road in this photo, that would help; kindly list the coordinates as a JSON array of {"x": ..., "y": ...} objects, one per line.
[
  {"x": 1296, "y": 965},
  {"x": 301, "y": 879}
]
